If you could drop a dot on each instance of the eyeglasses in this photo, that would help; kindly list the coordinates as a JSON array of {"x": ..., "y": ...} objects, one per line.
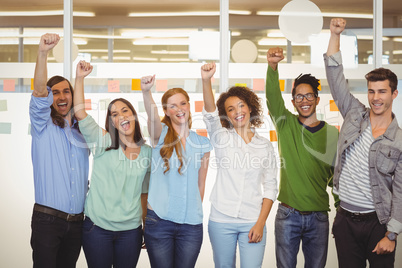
[{"x": 299, "y": 97}]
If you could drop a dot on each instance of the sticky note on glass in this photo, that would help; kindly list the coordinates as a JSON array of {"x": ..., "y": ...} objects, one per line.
[
  {"x": 241, "y": 85},
  {"x": 282, "y": 85},
  {"x": 141, "y": 107},
  {"x": 202, "y": 132},
  {"x": 32, "y": 84},
  {"x": 339, "y": 128},
  {"x": 272, "y": 135},
  {"x": 319, "y": 85},
  {"x": 8, "y": 85},
  {"x": 198, "y": 106},
  {"x": 161, "y": 85},
  {"x": 136, "y": 84},
  {"x": 113, "y": 86},
  {"x": 103, "y": 104},
  {"x": 5, "y": 128},
  {"x": 258, "y": 84},
  {"x": 332, "y": 106},
  {"x": 3, "y": 105},
  {"x": 190, "y": 85},
  {"x": 88, "y": 105}
]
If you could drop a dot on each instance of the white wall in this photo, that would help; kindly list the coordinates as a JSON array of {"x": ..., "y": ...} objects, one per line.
[{"x": 17, "y": 197}]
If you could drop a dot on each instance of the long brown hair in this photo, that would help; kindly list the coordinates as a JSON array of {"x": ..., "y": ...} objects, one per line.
[
  {"x": 114, "y": 133},
  {"x": 172, "y": 139},
  {"x": 57, "y": 118}
]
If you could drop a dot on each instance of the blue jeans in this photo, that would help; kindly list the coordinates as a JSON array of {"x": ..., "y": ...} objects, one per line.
[
  {"x": 224, "y": 238},
  {"x": 54, "y": 241},
  {"x": 171, "y": 244},
  {"x": 105, "y": 248},
  {"x": 291, "y": 227}
]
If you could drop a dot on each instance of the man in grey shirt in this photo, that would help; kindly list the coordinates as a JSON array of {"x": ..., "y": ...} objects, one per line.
[{"x": 368, "y": 171}]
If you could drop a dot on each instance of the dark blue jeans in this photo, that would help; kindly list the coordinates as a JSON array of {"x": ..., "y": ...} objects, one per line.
[
  {"x": 170, "y": 244},
  {"x": 312, "y": 230},
  {"x": 105, "y": 248},
  {"x": 54, "y": 241}
]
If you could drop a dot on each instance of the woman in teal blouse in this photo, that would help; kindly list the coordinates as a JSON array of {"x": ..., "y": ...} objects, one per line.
[{"x": 112, "y": 230}]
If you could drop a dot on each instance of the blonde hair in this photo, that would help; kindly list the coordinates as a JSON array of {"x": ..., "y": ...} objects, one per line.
[{"x": 172, "y": 139}]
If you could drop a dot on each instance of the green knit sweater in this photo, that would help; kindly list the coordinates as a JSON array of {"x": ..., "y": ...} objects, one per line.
[{"x": 307, "y": 157}]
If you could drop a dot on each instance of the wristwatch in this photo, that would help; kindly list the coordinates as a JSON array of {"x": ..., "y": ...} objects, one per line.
[{"x": 392, "y": 236}]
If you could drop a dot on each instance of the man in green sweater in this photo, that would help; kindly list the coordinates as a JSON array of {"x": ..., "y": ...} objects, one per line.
[{"x": 307, "y": 147}]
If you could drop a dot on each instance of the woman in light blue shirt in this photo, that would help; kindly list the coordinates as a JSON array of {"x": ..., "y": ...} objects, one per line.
[
  {"x": 173, "y": 225},
  {"x": 112, "y": 230}
]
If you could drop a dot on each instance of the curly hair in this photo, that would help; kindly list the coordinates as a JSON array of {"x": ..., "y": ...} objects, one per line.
[
  {"x": 246, "y": 95},
  {"x": 306, "y": 79}
]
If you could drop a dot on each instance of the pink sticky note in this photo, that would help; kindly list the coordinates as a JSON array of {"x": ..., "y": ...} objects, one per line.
[
  {"x": 88, "y": 105},
  {"x": 113, "y": 86},
  {"x": 161, "y": 85},
  {"x": 9, "y": 85},
  {"x": 258, "y": 84}
]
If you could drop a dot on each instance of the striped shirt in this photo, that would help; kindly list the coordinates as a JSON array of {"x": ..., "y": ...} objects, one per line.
[{"x": 354, "y": 182}]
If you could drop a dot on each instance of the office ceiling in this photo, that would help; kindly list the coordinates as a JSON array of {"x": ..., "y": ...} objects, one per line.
[{"x": 114, "y": 12}]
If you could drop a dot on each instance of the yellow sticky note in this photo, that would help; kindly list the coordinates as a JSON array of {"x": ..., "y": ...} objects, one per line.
[
  {"x": 241, "y": 85},
  {"x": 319, "y": 86},
  {"x": 272, "y": 135},
  {"x": 332, "y": 106},
  {"x": 135, "y": 84},
  {"x": 282, "y": 85},
  {"x": 32, "y": 83}
]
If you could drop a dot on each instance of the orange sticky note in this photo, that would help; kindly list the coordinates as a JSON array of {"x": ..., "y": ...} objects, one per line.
[
  {"x": 282, "y": 84},
  {"x": 114, "y": 86},
  {"x": 202, "y": 132},
  {"x": 272, "y": 135},
  {"x": 339, "y": 128},
  {"x": 135, "y": 84},
  {"x": 88, "y": 105},
  {"x": 32, "y": 84},
  {"x": 319, "y": 85},
  {"x": 161, "y": 85},
  {"x": 198, "y": 106},
  {"x": 332, "y": 106},
  {"x": 8, "y": 85},
  {"x": 258, "y": 84}
]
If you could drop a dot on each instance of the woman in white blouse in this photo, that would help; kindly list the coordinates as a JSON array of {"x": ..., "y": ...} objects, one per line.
[{"x": 245, "y": 186}]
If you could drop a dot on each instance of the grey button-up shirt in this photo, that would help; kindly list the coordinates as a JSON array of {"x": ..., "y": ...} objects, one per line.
[{"x": 385, "y": 156}]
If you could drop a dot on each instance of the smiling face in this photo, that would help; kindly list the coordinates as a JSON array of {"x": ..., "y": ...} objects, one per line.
[
  {"x": 62, "y": 98},
  {"x": 238, "y": 112},
  {"x": 178, "y": 109},
  {"x": 305, "y": 108},
  {"x": 123, "y": 119},
  {"x": 380, "y": 98}
]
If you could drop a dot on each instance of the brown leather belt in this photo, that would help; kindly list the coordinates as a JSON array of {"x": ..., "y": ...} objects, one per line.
[
  {"x": 58, "y": 213},
  {"x": 301, "y": 212},
  {"x": 357, "y": 216}
]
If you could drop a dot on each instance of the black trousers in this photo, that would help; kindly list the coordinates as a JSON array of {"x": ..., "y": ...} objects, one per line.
[
  {"x": 56, "y": 243},
  {"x": 355, "y": 241}
]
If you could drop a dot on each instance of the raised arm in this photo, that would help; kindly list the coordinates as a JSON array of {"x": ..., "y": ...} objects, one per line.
[
  {"x": 336, "y": 26},
  {"x": 154, "y": 122},
  {"x": 47, "y": 42},
  {"x": 83, "y": 69},
  {"x": 274, "y": 56},
  {"x": 207, "y": 71}
]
